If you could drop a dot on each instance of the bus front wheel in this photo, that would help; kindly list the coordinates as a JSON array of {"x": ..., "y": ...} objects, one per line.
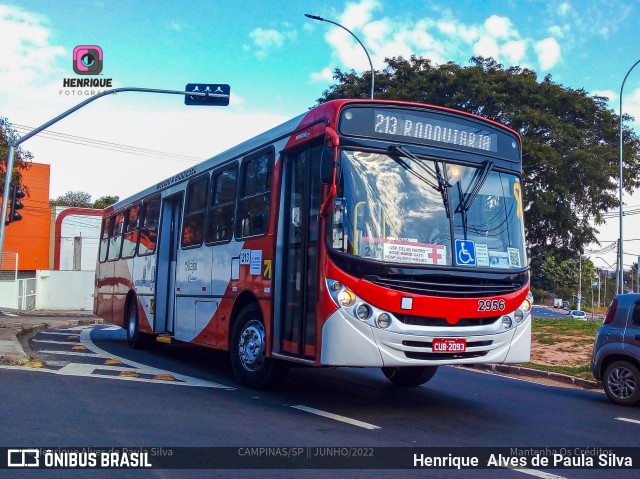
[
  {"x": 248, "y": 345},
  {"x": 409, "y": 376}
]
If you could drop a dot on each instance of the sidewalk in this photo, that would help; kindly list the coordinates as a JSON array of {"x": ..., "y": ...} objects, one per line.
[{"x": 15, "y": 325}]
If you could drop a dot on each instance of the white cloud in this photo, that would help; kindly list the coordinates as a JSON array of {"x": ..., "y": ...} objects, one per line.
[
  {"x": 515, "y": 51},
  {"x": 323, "y": 76},
  {"x": 548, "y": 51},
  {"x": 498, "y": 27},
  {"x": 440, "y": 38},
  {"x": 486, "y": 46},
  {"x": 265, "y": 40},
  {"x": 26, "y": 55},
  {"x": 356, "y": 15}
]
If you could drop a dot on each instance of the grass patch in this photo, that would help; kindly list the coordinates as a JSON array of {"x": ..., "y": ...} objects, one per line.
[
  {"x": 565, "y": 327},
  {"x": 544, "y": 339}
]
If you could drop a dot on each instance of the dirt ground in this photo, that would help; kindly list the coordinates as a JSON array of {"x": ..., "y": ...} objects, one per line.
[{"x": 571, "y": 351}]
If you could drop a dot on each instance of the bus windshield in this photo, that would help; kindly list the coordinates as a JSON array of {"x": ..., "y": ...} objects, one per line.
[{"x": 423, "y": 211}]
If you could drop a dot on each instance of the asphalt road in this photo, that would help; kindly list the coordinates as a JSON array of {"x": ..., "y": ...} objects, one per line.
[
  {"x": 546, "y": 312},
  {"x": 95, "y": 391}
]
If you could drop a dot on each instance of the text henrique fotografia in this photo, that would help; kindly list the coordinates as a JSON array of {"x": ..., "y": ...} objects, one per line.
[{"x": 87, "y": 60}]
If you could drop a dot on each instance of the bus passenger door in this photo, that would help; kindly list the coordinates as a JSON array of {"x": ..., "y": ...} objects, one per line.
[
  {"x": 300, "y": 253},
  {"x": 167, "y": 256}
]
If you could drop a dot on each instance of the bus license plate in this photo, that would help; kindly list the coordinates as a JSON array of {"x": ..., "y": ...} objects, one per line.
[{"x": 449, "y": 345}]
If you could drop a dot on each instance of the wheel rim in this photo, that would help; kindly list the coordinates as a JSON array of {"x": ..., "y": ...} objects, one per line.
[
  {"x": 131, "y": 327},
  {"x": 621, "y": 383},
  {"x": 251, "y": 346}
]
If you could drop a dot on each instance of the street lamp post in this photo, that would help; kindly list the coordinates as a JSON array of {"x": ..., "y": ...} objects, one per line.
[
  {"x": 320, "y": 19},
  {"x": 621, "y": 270}
]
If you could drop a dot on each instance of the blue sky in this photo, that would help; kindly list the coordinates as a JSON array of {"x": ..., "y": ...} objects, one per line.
[{"x": 277, "y": 62}]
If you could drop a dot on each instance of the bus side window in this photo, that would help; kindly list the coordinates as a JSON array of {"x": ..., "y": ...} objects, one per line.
[
  {"x": 115, "y": 242},
  {"x": 130, "y": 232},
  {"x": 149, "y": 227},
  {"x": 194, "y": 212},
  {"x": 255, "y": 194},
  {"x": 107, "y": 224},
  {"x": 222, "y": 207}
]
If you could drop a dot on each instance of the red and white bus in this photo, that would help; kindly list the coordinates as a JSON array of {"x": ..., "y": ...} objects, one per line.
[{"x": 361, "y": 233}]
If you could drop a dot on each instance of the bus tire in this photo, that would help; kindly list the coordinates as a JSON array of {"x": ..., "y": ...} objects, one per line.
[
  {"x": 248, "y": 362},
  {"x": 134, "y": 337},
  {"x": 409, "y": 376}
]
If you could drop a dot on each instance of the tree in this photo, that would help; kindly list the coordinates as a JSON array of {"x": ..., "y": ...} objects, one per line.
[
  {"x": 77, "y": 199},
  {"x": 21, "y": 161},
  {"x": 570, "y": 139},
  {"x": 104, "y": 201}
]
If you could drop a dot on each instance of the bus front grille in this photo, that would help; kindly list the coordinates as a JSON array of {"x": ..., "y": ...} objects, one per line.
[
  {"x": 444, "y": 356},
  {"x": 442, "y": 322},
  {"x": 446, "y": 286}
]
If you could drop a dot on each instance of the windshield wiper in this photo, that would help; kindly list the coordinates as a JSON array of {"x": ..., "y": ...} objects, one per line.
[
  {"x": 468, "y": 197},
  {"x": 442, "y": 184},
  {"x": 478, "y": 180}
]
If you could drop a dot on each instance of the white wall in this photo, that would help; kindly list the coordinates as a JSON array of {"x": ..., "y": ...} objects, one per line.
[
  {"x": 9, "y": 294},
  {"x": 64, "y": 290},
  {"x": 85, "y": 226}
]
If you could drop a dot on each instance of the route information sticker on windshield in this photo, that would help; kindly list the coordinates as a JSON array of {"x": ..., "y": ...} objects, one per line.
[{"x": 412, "y": 253}]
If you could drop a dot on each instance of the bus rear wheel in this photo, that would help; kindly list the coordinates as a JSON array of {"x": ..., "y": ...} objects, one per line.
[
  {"x": 248, "y": 345},
  {"x": 409, "y": 376}
]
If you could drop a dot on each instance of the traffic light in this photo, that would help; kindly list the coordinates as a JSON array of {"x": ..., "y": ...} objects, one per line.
[{"x": 15, "y": 195}]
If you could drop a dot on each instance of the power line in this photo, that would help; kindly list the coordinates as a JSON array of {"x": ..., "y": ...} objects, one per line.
[{"x": 106, "y": 145}]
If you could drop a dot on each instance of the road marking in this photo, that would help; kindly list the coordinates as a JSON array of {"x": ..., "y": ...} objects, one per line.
[
  {"x": 51, "y": 341},
  {"x": 628, "y": 420},
  {"x": 336, "y": 417},
  {"x": 132, "y": 372},
  {"x": 85, "y": 339},
  {"x": 534, "y": 472},
  {"x": 76, "y": 334},
  {"x": 69, "y": 353}
]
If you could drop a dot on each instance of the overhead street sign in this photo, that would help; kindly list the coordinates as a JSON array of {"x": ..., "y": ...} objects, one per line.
[{"x": 210, "y": 94}]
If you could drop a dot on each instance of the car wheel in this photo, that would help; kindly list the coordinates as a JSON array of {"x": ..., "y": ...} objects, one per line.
[
  {"x": 622, "y": 383},
  {"x": 248, "y": 361},
  {"x": 409, "y": 376}
]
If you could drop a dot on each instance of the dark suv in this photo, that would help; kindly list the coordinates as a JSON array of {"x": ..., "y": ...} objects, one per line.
[{"x": 616, "y": 353}]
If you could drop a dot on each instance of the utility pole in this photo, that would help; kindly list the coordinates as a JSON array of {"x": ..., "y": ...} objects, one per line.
[
  {"x": 579, "y": 284},
  {"x": 618, "y": 266}
]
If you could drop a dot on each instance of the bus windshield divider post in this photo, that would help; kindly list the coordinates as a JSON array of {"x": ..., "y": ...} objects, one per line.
[{"x": 333, "y": 141}]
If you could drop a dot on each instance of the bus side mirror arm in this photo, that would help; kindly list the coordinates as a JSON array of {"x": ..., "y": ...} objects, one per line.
[{"x": 332, "y": 141}]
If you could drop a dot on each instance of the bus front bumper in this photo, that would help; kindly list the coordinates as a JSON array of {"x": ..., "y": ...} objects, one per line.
[{"x": 346, "y": 341}]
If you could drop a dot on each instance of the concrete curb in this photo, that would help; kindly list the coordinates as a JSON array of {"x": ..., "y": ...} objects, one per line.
[
  {"x": 20, "y": 357},
  {"x": 536, "y": 373}
]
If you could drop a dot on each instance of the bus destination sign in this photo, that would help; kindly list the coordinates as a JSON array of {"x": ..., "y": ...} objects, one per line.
[{"x": 426, "y": 127}]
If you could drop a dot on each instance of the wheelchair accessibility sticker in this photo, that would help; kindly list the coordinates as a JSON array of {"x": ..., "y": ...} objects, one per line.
[{"x": 465, "y": 253}]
